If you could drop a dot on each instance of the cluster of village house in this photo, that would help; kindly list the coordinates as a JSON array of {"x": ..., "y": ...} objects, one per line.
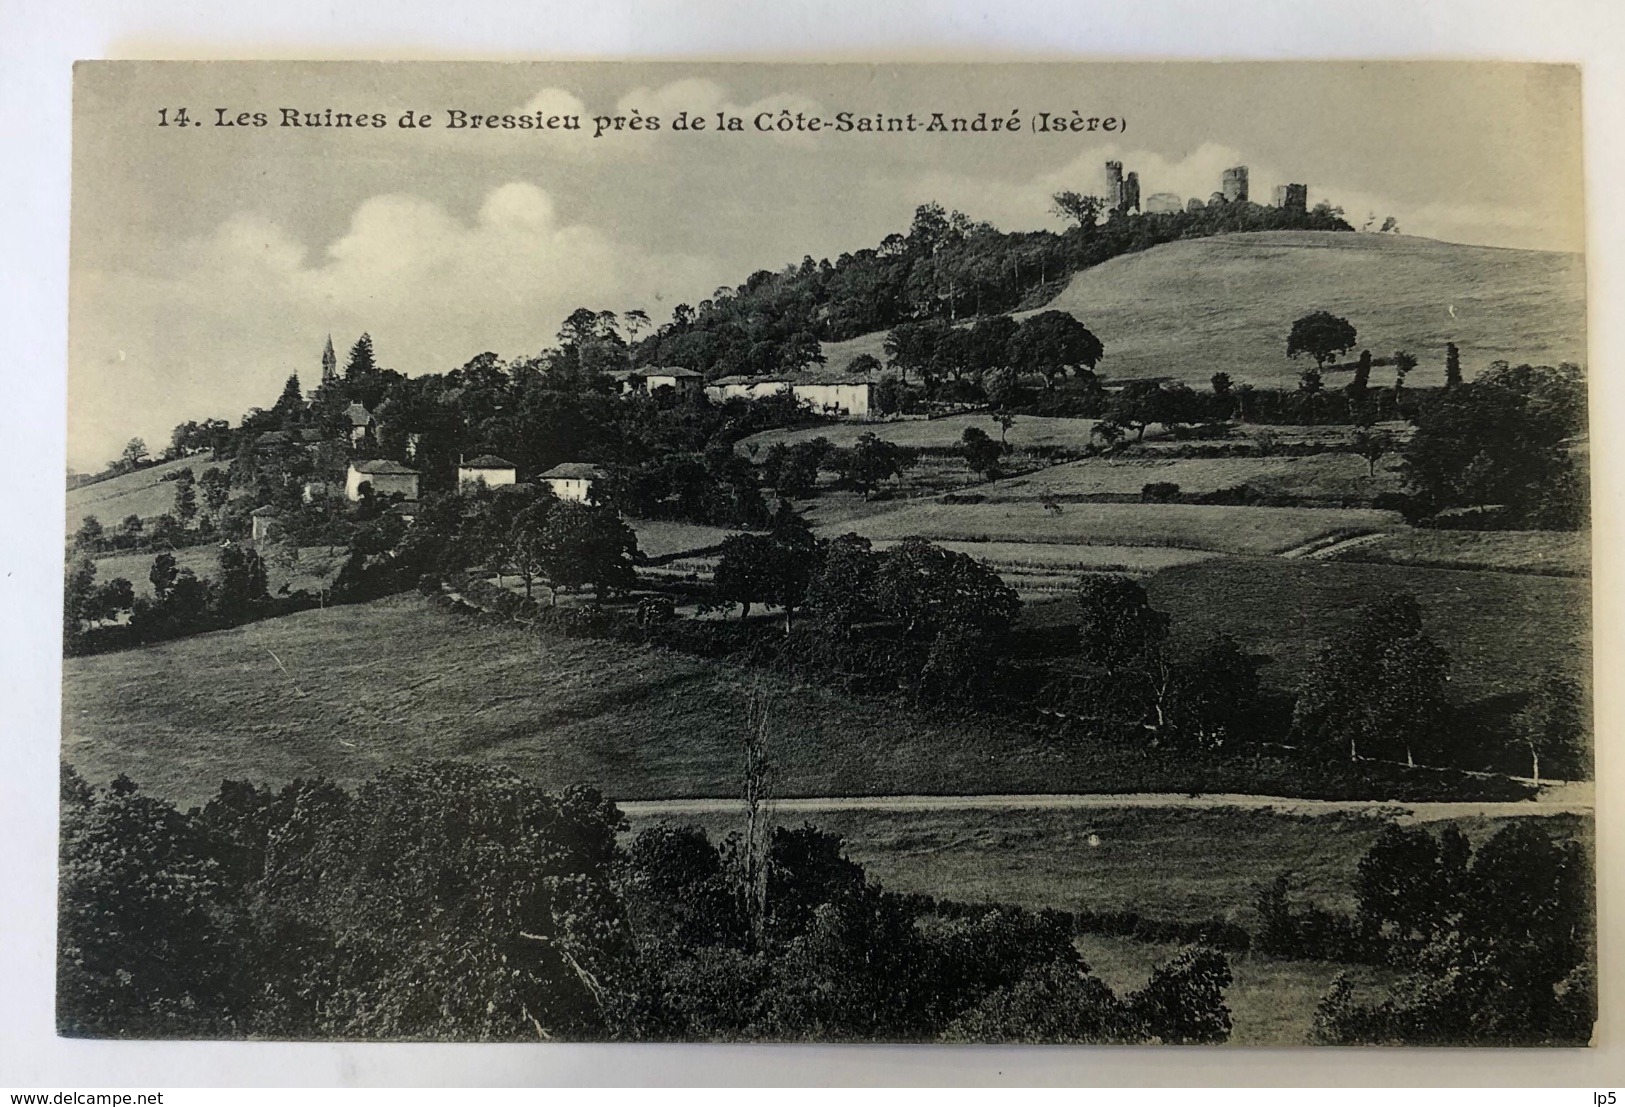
[
  {"x": 572, "y": 481},
  {"x": 845, "y": 395},
  {"x": 842, "y": 395}
]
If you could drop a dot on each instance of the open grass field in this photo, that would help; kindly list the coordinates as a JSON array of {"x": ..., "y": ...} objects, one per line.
[
  {"x": 1234, "y": 530},
  {"x": 1561, "y": 553},
  {"x": 1158, "y": 861},
  {"x": 1037, "y": 571},
  {"x": 1238, "y": 295},
  {"x": 665, "y": 537},
  {"x": 1288, "y": 610},
  {"x": 1027, "y": 432},
  {"x": 144, "y": 493},
  {"x": 316, "y": 567},
  {"x": 347, "y": 691},
  {"x": 1063, "y": 557},
  {"x": 1329, "y": 475}
]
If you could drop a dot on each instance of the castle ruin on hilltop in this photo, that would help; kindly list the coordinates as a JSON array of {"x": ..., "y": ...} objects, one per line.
[{"x": 1123, "y": 193}]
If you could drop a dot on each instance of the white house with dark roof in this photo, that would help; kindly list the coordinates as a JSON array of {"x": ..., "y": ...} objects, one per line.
[
  {"x": 684, "y": 382},
  {"x": 847, "y": 395},
  {"x": 850, "y": 397},
  {"x": 651, "y": 379},
  {"x": 487, "y": 469},
  {"x": 265, "y": 521},
  {"x": 387, "y": 478},
  {"x": 573, "y": 480}
]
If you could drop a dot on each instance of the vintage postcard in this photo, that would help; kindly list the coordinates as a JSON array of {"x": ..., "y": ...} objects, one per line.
[{"x": 1054, "y": 553}]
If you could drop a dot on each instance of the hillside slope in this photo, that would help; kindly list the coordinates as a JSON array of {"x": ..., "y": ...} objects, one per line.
[
  {"x": 143, "y": 492},
  {"x": 1190, "y": 309}
]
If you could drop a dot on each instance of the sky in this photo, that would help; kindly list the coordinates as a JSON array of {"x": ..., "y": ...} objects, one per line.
[{"x": 208, "y": 262}]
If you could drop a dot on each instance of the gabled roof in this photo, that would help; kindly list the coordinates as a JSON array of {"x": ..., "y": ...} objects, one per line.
[
  {"x": 273, "y": 438},
  {"x": 573, "y": 470},
  {"x": 667, "y": 371},
  {"x": 359, "y": 415},
  {"x": 739, "y": 378},
  {"x": 822, "y": 375},
  {"x": 383, "y": 467},
  {"x": 266, "y": 512},
  {"x": 488, "y": 461}
]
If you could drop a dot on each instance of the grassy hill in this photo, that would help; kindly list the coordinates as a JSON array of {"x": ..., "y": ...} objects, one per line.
[
  {"x": 344, "y": 692},
  {"x": 1190, "y": 309},
  {"x": 143, "y": 492}
]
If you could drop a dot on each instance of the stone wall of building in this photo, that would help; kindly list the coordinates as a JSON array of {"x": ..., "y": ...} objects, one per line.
[{"x": 1235, "y": 184}]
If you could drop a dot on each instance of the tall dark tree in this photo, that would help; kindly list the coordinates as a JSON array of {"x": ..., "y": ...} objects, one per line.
[
  {"x": 1553, "y": 726},
  {"x": 584, "y": 546},
  {"x": 1117, "y": 626},
  {"x": 870, "y": 461},
  {"x": 1054, "y": 342},
  {"x": 1452, "y": 365},
  {"x": 982, "y": 454},
  {"x": 185, "y": 497},
  {"x": 361, "y": 363},
  {"x": 216, "y": 486},
  {"x": 1360, "y": 383},
  {"x": 290, "y": 406},
  {"x": 1081, "y": 210},
  {"x": 1404, "y": 362},
  {"x": 927, "y": 588},
  {"x": 240, "y": 580},
  {"x": 1322, "y": 336},
  {"x": 162, "y": 576},
  {"x": 1378, "y": 690},
  {"x": 771, "y": 569},
  {"x": 135, "y": 452},
  {"x": 1499, "y": 440}
]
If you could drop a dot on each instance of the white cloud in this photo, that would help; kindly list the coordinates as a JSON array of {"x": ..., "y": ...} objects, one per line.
[
  {"x": 224, "y": 319},
  {"x": 554, "y": 101}
]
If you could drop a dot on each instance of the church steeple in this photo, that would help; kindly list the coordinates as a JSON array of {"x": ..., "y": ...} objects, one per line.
[{"x": 330, "y": 363}]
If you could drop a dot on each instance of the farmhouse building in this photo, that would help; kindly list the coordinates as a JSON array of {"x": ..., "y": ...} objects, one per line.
[
  {"x": 684, "y": 382},
  {"x": 851, "y": 397},
  {"x": 487, "y": 469},
  {"x": 724, "y": 389},
  {"x": 573, "y": 480},
  {"x": 843, "y": 394},
  {"x": 265, "y": 521},
  {"x": 361, "y": 423},
  {"x": 387, "y": 478}
]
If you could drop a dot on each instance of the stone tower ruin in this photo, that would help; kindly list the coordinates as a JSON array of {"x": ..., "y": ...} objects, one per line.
[
  {"x": 1292, "y": 197},
  {"x": 1131, "y": 192},
  {"x": 1114, "y": 184},
  {"x": 1235, "y": 184}
]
